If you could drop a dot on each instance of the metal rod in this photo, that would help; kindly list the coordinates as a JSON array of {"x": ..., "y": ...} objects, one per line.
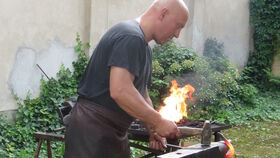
[
  {"x": 174, "y": 146},
  {"x": 145, "y": 148},
  {"x": 43, "y": 71}
]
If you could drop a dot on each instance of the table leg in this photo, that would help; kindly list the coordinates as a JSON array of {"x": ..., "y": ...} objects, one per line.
[
  {"x": 38, "y": 148},
  {"x": 49, "y": 149}
]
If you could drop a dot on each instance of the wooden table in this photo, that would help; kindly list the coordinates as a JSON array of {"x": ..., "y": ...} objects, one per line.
[{"x": 48, "y": 137}]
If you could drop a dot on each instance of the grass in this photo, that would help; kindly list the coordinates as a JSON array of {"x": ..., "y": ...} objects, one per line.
[{"x": 257, "y": 140}]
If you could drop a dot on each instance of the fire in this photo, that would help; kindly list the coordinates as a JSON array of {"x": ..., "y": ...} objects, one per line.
[{"x": 175, "y": 107}]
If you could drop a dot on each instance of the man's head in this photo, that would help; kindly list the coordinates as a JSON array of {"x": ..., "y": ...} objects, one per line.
[{"x": 167, "y": 18}]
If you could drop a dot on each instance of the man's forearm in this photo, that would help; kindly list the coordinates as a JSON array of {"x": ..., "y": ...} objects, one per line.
[{"x": 149, "y": 101}]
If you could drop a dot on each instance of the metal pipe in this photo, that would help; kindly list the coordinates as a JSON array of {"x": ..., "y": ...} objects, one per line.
[{"x": 43, "y": 71}]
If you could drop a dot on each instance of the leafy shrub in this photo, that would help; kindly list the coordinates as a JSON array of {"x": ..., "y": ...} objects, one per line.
[
  {"x": 40, "y": 114},
  {"x": 274, "y": 81},
  {"x": 265, "y": 19},
  {"x": 187, "y": 65},
  {"x": 201, "y": 66},
  {"x": 157, "y": 89},
  {"x": 175, "y": 68},
  {"x": 158, "y": 71},
  {"x": 248, "y": 93},
  {"x": 81, "y": 63},
  {"x": 213, "y": 49},
  {"x": 171, "y": 53}
]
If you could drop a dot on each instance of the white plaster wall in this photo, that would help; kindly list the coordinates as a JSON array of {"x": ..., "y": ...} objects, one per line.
[
  {"x": 106, "y": 13},
  {"x": 99, "y": 21},
  {"x": 228, "y": 22},
  {"x": 25, "y": 75},
  {"x": 186, "y": 35},
  {"x": 44, "y": 32},
  {"x": 27, "y": 28}
]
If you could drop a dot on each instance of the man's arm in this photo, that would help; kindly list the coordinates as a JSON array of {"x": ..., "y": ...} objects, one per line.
[
  {"x": 155, "y": 141},
  {"x": 130, "y": 100},
  {"x": 148, "y": 99}
]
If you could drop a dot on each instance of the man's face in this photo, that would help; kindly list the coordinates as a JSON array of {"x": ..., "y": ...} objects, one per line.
[{"x": 170, "y": 26}]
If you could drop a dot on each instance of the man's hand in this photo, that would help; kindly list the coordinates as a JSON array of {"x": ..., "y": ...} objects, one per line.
[
  {"x": 157, "y": 142},
  {"x": 167, "y": 129}
]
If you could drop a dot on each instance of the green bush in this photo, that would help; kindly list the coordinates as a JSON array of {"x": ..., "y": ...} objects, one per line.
[
  {"x": 265, "y": 19},
  {"x": 247, "y": 94},
  {"x": 171, "y": 53},
  {"x": 213, "y": 49},
  {"x": 219, "y": 95},
  {"x": 40, "y": 114},
  {"x": 187, "y": 65},
  {"x": 274, "y": 81},
  {"x": 175, "y": 68},
  {"x": 158, "y": 71},
  {"x": 201, "y": 66}
]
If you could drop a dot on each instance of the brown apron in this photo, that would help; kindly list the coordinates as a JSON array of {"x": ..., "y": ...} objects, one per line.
[{"x": 96, "y": 132}]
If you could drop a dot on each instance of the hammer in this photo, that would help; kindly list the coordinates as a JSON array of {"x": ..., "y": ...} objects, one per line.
[{"x": 205, "y": 132}]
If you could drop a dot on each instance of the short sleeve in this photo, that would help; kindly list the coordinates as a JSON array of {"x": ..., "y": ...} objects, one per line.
[{"x": 127, "y": 52}]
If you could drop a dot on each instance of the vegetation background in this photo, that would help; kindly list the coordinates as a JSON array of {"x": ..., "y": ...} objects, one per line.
[{"x": 249, "y": 100}]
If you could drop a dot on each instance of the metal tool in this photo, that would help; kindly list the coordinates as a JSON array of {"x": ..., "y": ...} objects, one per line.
[
  {"x": 205, "y": 132},
  {"x": 189, "y": 131},
  {"x": 174, "y": 146}
]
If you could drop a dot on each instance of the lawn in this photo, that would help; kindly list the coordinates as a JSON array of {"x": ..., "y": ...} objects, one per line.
[{"x": 257, "y": 140}]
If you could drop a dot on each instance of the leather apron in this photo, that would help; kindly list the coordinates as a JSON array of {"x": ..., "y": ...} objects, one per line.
[{"x": 96, "y": 132}]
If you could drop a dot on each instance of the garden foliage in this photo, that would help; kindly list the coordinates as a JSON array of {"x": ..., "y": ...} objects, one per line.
[
  {"x": 265, "y": 21},
  {"x": 40, "y": 114},
  {"x": 221, "y": 93}
]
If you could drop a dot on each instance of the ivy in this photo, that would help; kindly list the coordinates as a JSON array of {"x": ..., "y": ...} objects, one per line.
[
  {"x": 40, "y": 114},
  {"x": 265, "y": 20}
]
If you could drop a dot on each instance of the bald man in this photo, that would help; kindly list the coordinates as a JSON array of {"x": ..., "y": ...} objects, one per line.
[{"x": 113, "y": 90}]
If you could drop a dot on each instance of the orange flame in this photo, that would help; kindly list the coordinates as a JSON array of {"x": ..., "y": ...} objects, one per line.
[
  {"x": 175, "y": 106},
  {"x": 230, "y": 151}
]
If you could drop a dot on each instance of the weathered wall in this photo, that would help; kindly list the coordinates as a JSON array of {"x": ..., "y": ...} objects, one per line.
[
  {"x": 276, "y": 66},
  {"x": 43, "y": 32},
  {"x": 227, "y": 21},
  {"x": 106, "y": 13},
  {"x": 40, "y": 32}
]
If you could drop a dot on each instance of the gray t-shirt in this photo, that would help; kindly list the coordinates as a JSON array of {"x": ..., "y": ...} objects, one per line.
[{"x": 123, "y": 46}]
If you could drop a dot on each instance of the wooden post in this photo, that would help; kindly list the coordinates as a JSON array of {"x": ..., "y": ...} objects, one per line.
[
  {"x": 49, "y": 149},
  {"x": 38, "y": 148}
]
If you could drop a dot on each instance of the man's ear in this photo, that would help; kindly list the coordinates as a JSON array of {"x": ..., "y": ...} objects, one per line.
[{"x": 163, "y": 13}]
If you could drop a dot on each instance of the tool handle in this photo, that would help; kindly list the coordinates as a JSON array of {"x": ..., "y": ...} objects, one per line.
[{"x": 189, "y": 131}]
